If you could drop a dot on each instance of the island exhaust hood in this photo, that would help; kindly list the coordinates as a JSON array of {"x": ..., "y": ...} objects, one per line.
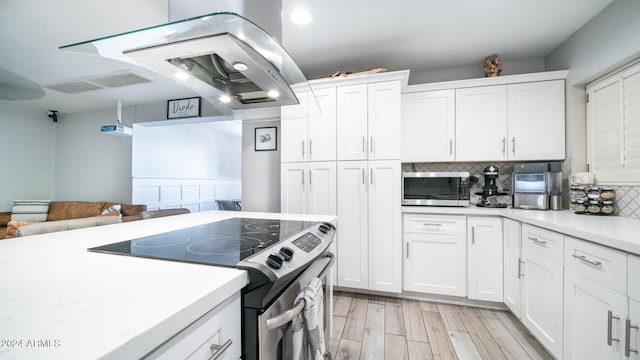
[{"x": 223, "y": 57}]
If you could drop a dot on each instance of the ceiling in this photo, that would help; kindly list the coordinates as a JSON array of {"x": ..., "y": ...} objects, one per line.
[{"x": 354, "y": 35}]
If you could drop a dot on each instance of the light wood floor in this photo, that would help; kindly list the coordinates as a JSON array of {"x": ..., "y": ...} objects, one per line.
[{"x": 374, "y": 327}]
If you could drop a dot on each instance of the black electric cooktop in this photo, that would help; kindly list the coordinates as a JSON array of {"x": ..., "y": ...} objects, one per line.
[{"x": 224, "y": 242}]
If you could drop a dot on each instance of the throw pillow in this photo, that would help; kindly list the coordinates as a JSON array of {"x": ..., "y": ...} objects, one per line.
[
  {"x": 13, "y": 226},
  {"x": 113, "y": 210},
  {"x": 30, "y": 210}
]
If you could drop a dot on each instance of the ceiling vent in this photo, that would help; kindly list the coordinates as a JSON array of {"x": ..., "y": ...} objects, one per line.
[{"x": 98, "y": 82}]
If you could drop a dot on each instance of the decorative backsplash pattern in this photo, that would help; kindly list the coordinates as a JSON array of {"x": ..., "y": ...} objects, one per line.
[{"x": 627, "y": 197}]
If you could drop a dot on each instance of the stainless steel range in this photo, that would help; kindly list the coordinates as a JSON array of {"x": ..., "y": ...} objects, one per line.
[{"x": 281, "y": 256}]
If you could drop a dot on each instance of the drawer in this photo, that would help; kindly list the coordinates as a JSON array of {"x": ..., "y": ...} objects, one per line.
[
  {"x": 217, "y": 327},
  {"x": 543, "y": 242},
  {"x": 435, "y": 224},
  {"x": 634, "y": 277},
  {"x": 598, "y": 263}
]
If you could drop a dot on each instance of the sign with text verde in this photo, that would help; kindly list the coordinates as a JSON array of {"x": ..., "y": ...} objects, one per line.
[{"x": 181, "y": 108}]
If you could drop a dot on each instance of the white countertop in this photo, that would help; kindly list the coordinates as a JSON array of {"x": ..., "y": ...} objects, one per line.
[
  {"x": 59, "y": 301},
  {"x": 613, "y": 231}
]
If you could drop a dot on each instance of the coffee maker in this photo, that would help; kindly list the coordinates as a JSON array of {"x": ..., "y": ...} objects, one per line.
[{"x": 490, "y": 189}]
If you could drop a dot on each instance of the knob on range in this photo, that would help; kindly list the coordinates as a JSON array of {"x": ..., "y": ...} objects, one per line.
[
  {"x": 275, "y": 261},
  {"x": 286, "y": 253}
]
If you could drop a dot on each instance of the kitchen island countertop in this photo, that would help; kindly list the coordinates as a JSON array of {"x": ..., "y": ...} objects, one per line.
[
  {"x": 60, "y": 301},
  {"x": 613, "y": 231}
]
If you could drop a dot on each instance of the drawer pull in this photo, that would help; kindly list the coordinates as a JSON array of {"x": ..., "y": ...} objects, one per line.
[
  {"x": 590, "y": 262},
  {"x": 520, "y": 262},
  {"x": 473, "y": 234},
  {"x": 538, "y": 242},
  {"x": 219, "y": 349},
  {"x": 431, "y": 224},
  {"x": 610, "y": 319},
  {"x": 627, "y": 345}
]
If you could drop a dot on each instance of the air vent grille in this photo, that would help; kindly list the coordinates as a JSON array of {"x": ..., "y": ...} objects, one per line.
[{"x": 98, "y": 82}]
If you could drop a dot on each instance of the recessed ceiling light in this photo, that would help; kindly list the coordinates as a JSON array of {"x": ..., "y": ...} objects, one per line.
[
  {"x": 181, "y": 75},
  {"x": 225, "y": 99},
  {"x": 240, "y": 66},
  {"x": 300, "y": 16},
  {"x": 273, "y": 94}
]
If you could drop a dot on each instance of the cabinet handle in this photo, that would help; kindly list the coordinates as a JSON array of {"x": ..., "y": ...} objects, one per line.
[
  {"x": 407, "y": 250},
  {"x": 371, "y": 145},
  {"x": 362, "y": 176},
  {"x": 303, "y": 178},
  {"x": 431, "y": 224},
  {"x": 520, "y": 262},
  {"x": 309, "y": 147},
  {"x": 610, "y": 337},
  {"x": 219, "y": 349},
  {"x": 473, "y": 234},
  {"x": 303, "y": 148},
  {"x": 363, "y": 144},
  {"x": 627, "y": 344},
  {"x": 538, "y": 242},
  {"x": 504, "y": 145},
  {"x": 371, "y": 176},
  {"x": 513, "y": 145},
  {"x": 590, "y": 262},
  {"x": 450, "y": 146},
  {"x": 310, "y": 176}
]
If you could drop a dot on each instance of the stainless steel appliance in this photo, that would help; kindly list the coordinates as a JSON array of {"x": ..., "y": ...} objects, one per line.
[
  {"x": 435, "y": 188},
  {"x": 534, "y": 184},
  {"x": 490, "y": 189},
  {"x": 281, "y": 257}
]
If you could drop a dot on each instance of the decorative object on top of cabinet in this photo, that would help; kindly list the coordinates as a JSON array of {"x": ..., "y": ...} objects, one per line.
[
  {"x": 340, "y": 74},
  {"x": 492, "y": 65}
]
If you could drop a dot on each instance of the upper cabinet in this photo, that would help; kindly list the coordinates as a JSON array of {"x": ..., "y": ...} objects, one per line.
[
  {"x": 518, "y": 117},
  {"x": 310, "y": 137},
  {"x": 368, "y": 118}
]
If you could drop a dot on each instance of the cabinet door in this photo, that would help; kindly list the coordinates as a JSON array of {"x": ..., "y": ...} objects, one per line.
[
  {"x": 542, "y": 291},
  {"x": 385, "y": 229},
  {"x": 428, "y": 126},
  {"x": 485, "y": 259},
  {"x": 587, "y": 319},
  {"x": 536, "y": 121},
  {"x": 353, "y": 248},
  {"x": 321, "y": 132},
  {"x": 322, "y": 188},
  {"x": 293, "y": 188},
  {"x": 512, "y": 265},
  {"x": 352, "y": 122},
  {"x": 633, "y": 340},
  {"x": 294, "y": 140},
  {"x": 298, "y": 111},
  {"x": 384, "y": 120},
  {"x": 481, "y": 123}
]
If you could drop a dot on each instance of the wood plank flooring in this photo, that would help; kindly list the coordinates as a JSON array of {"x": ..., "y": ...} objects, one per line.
[{"x": 375, "y": 327}]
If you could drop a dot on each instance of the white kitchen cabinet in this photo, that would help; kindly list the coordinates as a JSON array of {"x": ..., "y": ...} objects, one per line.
[
  {"x": 428, "y": 126},
  {"x": 481, "y": 123},
  {"x": 523, "y": 121},
  {"x": 511, "y": 232},
  {"x": 536, "y": 121},
  {"x": 369, "y": 245},
  {"x": 632, "y": 328},
  {"x": 484, "y": 256},
  {"x": 368, "y": 121},
  {"x": 542, "y": 286},
  {"x": 596, "y": 305},
  {"x": 217, "y": 331},
  {"x": 435, "y": 254},
  {"x": 309, "y": 136},
  {"x": 308, "y": 188}
]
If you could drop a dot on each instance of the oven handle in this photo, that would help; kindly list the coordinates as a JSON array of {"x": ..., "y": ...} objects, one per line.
[{"x": 287, "y": 316}]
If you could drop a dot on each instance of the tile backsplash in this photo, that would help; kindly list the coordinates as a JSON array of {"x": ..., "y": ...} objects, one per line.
[{"x": 627, "y": 202}]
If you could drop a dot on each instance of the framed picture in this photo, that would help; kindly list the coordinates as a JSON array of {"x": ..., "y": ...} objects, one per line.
[
  {"x": 182, "y": 108},
  {"x": 266, "y": 139}
]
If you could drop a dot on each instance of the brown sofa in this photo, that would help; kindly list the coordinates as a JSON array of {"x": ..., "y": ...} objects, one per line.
[{"x": 66, "y": 210}]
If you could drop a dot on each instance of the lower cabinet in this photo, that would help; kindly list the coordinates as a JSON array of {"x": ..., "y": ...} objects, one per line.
[
  {"x": 512, "y": 265},
  {"x": 370, "y": 228},
  {"x": 216, "y": 333},
  {"x": 542, "y": 286},
  {"x": 484, "y": 256},
  {"x": 435, "y": 254},
  {"x": 596, "y": 304}
]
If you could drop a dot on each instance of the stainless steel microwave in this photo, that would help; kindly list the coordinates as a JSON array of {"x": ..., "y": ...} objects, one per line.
[{"x": 435, "y": 188}]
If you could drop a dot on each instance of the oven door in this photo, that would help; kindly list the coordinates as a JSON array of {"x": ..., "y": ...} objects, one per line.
[{"x": 275, "y": 330}]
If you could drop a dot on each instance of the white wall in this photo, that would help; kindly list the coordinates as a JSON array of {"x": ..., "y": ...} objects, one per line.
[
  {"x": 27, "y": 139},
  {"x": 607, "y": 41},
  {"x": 260, "y": 170}
]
